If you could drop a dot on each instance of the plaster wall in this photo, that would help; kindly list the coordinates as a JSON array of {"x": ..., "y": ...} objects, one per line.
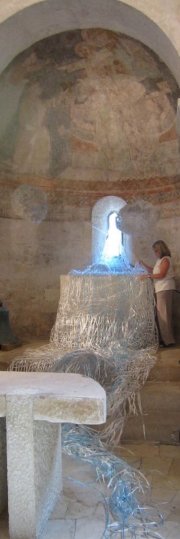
[{"x": 33, "y": 256}]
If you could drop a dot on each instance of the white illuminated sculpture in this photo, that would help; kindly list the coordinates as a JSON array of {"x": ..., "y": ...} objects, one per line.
[{"x": 112, "y": 247}]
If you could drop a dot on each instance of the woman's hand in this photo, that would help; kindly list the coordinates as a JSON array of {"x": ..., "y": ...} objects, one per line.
[{"x": 144, "y": 265}]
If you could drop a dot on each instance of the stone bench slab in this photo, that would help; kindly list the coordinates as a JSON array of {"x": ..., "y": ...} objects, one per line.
[{"x": 57, "y": 397}]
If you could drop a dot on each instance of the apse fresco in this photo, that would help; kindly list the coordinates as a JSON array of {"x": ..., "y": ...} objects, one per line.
[
  {"x": 85, "y": 106},
  {"x": 84, "y": 115}
]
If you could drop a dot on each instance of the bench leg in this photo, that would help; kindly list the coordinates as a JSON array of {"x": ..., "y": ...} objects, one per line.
[
  {"x": 48, "y": 469},
  {"x": 34, "y": 468}
]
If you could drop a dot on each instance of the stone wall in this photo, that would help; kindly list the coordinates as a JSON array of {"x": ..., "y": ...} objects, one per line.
[{"x": 84, "y": 114}]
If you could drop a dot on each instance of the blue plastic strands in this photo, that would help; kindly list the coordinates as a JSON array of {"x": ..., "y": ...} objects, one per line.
[{"x": 125, "y": 514}]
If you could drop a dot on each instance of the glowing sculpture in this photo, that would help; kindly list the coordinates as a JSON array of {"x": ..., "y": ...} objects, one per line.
[{"x": 112, "y": 245}]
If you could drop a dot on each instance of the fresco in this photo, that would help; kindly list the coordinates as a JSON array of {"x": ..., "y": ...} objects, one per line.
[{"x": 85, "y": 106}]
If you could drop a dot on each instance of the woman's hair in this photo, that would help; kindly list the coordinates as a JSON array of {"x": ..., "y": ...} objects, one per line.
[{"x": 164, "y": 250}]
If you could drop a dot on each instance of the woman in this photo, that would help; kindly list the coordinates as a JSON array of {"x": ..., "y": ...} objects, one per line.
[{"x": 163, "y": 277}]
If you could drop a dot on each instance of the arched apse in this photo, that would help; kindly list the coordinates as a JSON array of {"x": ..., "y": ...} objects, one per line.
[
  {"x": 89, "y": 106},
  {"x": 75, "y": 160},
  {"x": 36, "y": 20}
]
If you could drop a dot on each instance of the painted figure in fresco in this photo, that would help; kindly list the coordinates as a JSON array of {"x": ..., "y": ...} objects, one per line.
[{"x": 162, "y": 275}]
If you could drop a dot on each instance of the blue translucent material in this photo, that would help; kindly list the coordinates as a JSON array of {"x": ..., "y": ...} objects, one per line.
[
  {"x": 125, "y": 514},
  {"x": 118, "y": 265}
]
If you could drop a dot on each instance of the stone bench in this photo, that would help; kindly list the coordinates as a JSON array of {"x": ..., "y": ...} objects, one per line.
[{"x": 33, "y": 406}]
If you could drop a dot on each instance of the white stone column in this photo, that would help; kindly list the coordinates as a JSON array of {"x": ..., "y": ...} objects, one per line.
[
  {"x": 21, "y": 467},
  {"x": 48, "y": 470},
  {"x": 34, "y": 468}
]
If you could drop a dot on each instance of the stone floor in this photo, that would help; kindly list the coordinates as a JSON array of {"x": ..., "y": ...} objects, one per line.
[{"x": 80, "y": 515}]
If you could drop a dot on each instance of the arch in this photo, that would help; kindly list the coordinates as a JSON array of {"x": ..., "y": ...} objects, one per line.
[
  {"x": 35, "y": 20},
  {"x": 100, "y": 213}
]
